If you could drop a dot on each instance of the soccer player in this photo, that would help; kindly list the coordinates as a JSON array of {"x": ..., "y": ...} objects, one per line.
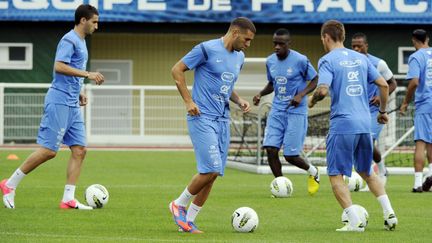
[
  {"x": 346, "y": 74},
  {"x": 62, "y": 121},
  {"x": 217, "y": 64},
  {"x": 420, "y": 82},
  {"x": 288, "y": 73},
  {"x": 360, "y": 44}
]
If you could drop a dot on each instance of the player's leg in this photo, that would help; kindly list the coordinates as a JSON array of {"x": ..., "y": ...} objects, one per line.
[
  {"x": 273, "y": 138},
  {"x": 49, "y": 137},
  {"x": 427, "y": 184},
  {"x": 75, "y": 139},
  {"x": 363, "y": 153},
  {"x": 274, "y": 161},
  {"x": 419, "y": 158},
  {"x": 294, "y": 137},
  {"x": 203, "y": 133},
  {"x": 340, "y": 150}
]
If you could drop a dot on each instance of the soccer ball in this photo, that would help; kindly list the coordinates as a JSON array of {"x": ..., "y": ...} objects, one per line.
[
  {"x": 355, "y": 182},
  {"x": 361, "y": 212},
  {"x": 244, "y": 219},
  {"x": 281, "y": 187},
  {"x": 96, "y": 196}
]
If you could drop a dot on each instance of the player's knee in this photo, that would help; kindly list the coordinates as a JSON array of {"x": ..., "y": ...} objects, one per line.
[
  {"x": 50, "y": 154},
  {"x": 79, "y": 152},
  {"x": 272, "y": 151}
]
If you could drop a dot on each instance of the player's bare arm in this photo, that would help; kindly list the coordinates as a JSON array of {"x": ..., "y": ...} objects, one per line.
[
  {"x": 392, "y": 87},
  {"x": 243, "y": 104},
  {"x": 265, "y": 91},
  {"x": 178, "y": 74},
  {"x": 320, "y": 93},
  {"x": 63, "y": 68},
  {"x": 309, "y": 88},
  {"x": 409, "y": 95},
  {"x": 384, "y": 93}
]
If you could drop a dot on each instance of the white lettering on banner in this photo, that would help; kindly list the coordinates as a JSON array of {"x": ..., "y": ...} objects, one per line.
[
  {"x": 108, "y": 4},
  {"x": 4, "y": 5},
  {"x": 192, "y": 6},
  {"x": 411, "y": 8},
  {"x": 216, "y": 5},
  {"x": 34, "y": 4},
  {"x": 325, "y": 5},
  {"x": 152, "y": 5},
  {"x": 381, "y": 6},
  {"x": 288, "y": 5},
  {"x": 257, "y": 4},
  {"x": 59, "y": 4}
]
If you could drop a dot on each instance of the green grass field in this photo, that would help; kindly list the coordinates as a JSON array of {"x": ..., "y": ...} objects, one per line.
[{"x": 141, "y": 184}]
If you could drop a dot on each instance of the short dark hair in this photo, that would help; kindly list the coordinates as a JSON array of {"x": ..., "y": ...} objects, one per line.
[
  {"x": 282, "y": 31},
  {"x": 334, "y": 29},
  {"x": 360, "y": 35},
  {"x": 420, "y": 35},
  {"x": 244, "y": 24},
  {"x": 85, "y": 11}
]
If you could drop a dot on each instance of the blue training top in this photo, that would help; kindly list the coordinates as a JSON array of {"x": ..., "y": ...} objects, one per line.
[
  {"x": 288, "y": 77},
  {"x": 347, "y": 73}
]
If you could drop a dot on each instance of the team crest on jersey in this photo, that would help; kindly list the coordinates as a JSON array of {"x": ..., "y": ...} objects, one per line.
[
  {"x": 280, "y": 80},
  {"x": 224, "y": 89},
  {"x": 354, "y": 90},
  {"x": 227, "y": 77},
  {"x": 353, "y": 76},
  {"x": 289, "y": 71}
]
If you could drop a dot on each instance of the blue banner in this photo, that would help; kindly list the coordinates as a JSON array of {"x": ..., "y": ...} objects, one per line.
[{"x": 260, "y": 11}]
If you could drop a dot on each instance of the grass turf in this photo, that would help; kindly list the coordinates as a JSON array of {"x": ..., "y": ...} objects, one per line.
[{"x": 141, "y": 184}]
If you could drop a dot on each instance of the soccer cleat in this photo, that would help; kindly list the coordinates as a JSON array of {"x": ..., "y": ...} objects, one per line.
[
  {"x": 390, "y": 222},
  {"x": 74, "y": 204},
  {"x": 417, "y": 190},
  {"x": 194, "y": 229},
  {"x": 427, "y": 184},
  {"x": 179, "y": 215},
  {"x": 365, "y": 189},
  {"x": 349, "y": 228},
  {"x": 8, "y": 195},
  {"x": 314, "y": 183}
]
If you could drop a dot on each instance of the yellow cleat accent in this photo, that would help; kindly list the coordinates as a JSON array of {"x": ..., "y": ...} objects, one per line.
[{"x": 314, "y": 183}]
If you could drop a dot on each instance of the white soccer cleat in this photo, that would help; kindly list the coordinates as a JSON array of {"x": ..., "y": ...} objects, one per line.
[
  {"x": 390, "y": 222},
  {"x": 8, "y": 195},
  {"x": 349, "y": 228}
]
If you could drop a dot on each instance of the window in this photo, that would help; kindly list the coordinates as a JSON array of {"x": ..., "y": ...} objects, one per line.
[
  {"x": 16, "y": 56},
  {"x": 403, "y": 54}
]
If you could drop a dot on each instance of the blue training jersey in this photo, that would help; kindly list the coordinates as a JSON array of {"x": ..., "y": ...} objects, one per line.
[
  {"x": 420, "y": 66},
  {"x": 216, "y": 71},
  {"x": 347, "y": 74},
  {"x": 288, "y": 77},
  {"x": 65, "y": 89}
]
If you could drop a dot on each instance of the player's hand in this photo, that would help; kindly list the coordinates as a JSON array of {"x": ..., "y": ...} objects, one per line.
[
  {"x": 256, "y": 99},
  {"x": 244, "y": 105},
  {"x": 82, "y": 99},
  {"x": 310, "y": 102},
  {"x": 192, "y": 109},
  {"x": 97, "y": 77},
  {"x": 375, "y": 101},
  {"x": 403, "y": 108},
  {"x": 296, "y": 100},
  {"x": 382, "y": 118}
]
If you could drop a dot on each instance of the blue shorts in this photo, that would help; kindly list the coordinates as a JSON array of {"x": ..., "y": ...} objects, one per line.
[
  {"x": 61, "y": 124},
  {"x": 344, "y": 150},
  {"x": 286, "y": 129},
  {"x": 210, "y": 139},
  {"x": 423, "y": 127},
  {"x": 376, "y": 127}
]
